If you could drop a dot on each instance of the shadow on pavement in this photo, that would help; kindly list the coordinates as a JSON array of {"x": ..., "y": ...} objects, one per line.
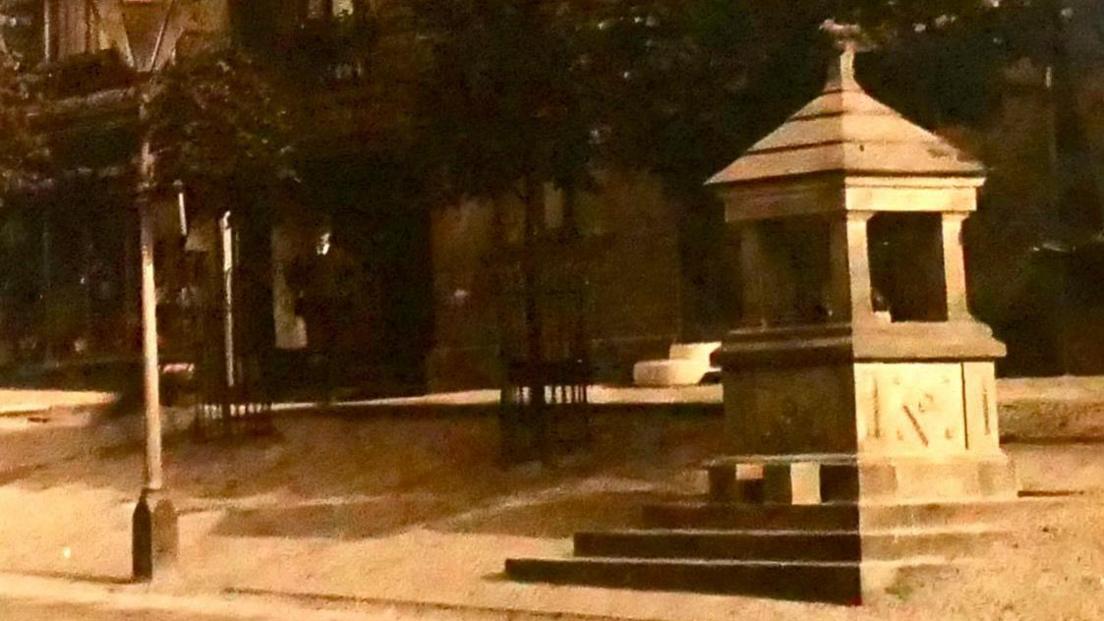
[
  {"x": 80, "y": 577},
  {"x": 535, "y": 515}
]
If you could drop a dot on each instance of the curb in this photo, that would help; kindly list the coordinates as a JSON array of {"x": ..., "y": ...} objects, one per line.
[
  {"x": 438, "y": 611},
  {"x": 109, "y": 594}
]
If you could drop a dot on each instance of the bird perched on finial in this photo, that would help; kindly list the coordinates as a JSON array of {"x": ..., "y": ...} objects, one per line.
[
  {"x": 849, "y": 39},
  {"x": 847, "y": 36}
]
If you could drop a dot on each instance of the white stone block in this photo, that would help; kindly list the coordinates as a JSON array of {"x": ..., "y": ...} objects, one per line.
[{"x": 669, "y": 372}]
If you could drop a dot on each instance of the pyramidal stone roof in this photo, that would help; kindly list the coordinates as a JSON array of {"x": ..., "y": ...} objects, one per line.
[{"x": 846, "y": 130}]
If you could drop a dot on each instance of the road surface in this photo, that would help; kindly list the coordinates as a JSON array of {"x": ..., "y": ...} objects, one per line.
[{"x": 23, "y": 610}]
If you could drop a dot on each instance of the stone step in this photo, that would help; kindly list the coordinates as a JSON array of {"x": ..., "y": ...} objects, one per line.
[
  {"x": 766, "y": 545},
  {"x": 744, "y": 516},
  {"x": 758, "y": 545},
  {"x": 978, "y": 513},
  {"x": 839, "y": 582},
  {"x": 822, "y": 517}
]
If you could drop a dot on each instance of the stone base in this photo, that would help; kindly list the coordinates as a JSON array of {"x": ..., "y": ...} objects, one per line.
[
  {"x": 833, "y": 583},
  {"x": 843, "y": 553},
  {"x": 155, "y": 537},
  {"x": 832, "y": 528},
  {"x": 812, "y": 479}
]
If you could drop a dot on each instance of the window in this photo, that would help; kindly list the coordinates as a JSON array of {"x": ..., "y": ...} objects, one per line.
[
  {"x": 71, "y": 27},
  {"x": 572, "y": 211},
  {"x": 555, "y": 207}
]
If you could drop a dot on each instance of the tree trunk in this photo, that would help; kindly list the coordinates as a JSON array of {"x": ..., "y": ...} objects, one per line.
[
  {"x": 48, "y": 311},
  {"x": 1072, "y": 158},
  {"x": 534, "y": 329}
]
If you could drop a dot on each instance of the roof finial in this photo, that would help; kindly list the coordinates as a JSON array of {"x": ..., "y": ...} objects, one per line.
[{"x": 849, "y": 40}]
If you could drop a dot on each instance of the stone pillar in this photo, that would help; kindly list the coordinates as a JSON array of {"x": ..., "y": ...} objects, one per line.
[
  {"x": 837, "y": 293},
  {"x": 752, "y": 272},
  {"x": 858, "y": 267},
  {"x": 954, "y": 266}
]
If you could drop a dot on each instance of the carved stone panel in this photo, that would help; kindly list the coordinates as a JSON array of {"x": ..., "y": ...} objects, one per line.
[
  {"x": 910, "y": 409},
  {"x": 980, "y": 394},
  {"x": 778, "y": 411}
]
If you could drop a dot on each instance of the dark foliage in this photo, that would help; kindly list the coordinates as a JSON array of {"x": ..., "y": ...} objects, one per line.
[
  {"x": 499, "y": 104},
  {"x": 24, "y": 153},
  {"x": 219, "y": 118}
]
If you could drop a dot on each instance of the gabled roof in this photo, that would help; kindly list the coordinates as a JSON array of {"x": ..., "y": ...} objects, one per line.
[{"x": 846, "y": 130}]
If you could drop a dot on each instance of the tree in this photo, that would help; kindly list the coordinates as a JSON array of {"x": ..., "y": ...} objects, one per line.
[
  {"x": 24, "y": 152},
  {"x": 25, "y": 163},
  {"x": 220, "y": 123},
  {"x": 524, "y": 93},
  {"x": 678, "y": 88},
  {"x": 502, "y": 114},
  {"x": 219, "y": 120}
]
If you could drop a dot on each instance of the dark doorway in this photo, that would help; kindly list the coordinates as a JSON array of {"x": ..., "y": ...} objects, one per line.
[{"x": 383, "y": 334}]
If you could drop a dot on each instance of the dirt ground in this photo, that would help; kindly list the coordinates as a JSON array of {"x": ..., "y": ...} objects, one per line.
[{"x": 414, "y": 509}]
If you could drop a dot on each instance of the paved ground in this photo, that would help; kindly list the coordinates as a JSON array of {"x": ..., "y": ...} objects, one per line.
[
  {"x": 33, "y": 598},
  {"x": 1057, "y": 389},
  {"x": 45, "y": 611},
  {"x": 386, "y": 515},
  {"x": 20, "y": 401}
]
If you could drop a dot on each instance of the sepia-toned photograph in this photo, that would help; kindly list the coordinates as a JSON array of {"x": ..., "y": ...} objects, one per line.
[{"x": 564, "y": 310}]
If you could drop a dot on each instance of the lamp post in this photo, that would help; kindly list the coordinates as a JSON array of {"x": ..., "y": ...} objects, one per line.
[{"x": 154, "y": 536}]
